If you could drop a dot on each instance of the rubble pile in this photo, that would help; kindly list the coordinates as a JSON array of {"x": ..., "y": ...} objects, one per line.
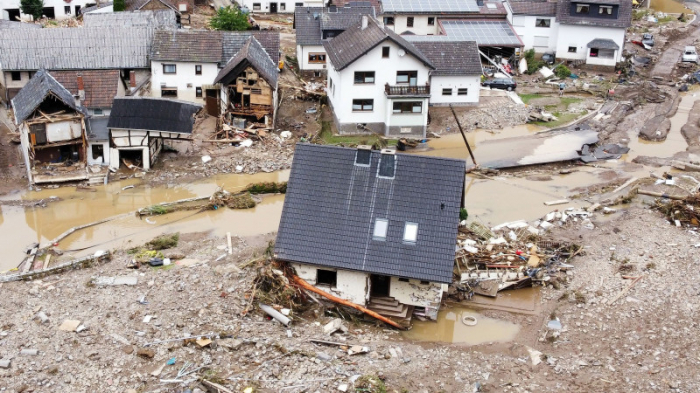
[
  {"x": 681, "y": 212},
  {"x": 493, "y": 118}
]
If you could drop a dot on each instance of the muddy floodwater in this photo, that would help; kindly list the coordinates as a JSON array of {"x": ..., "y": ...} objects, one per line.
[
  {"x": 451, "y": 328},
  {"x": 669, "y": 6}
]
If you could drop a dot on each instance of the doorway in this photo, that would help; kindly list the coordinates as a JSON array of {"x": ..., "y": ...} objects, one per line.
[
  {"x": 13, "y": 14},
  {"x": 379, "y": 285},
  {"x": 273, "y": 8},
  {"x": 49, "y": 12}
]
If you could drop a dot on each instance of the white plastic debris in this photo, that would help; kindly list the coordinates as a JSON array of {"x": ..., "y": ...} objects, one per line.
[
  {"x": 99, "y": 253},
  {"x": 166, "y": 262},
  {"x": 286, "y": 134},
  {"x": 239, "y": 168},
  {"x": 206, "y": 159},
  {"x": 246, "y": 143},
  {"x": 499, "y": 240},
  {"x": 471, "y": 250}
]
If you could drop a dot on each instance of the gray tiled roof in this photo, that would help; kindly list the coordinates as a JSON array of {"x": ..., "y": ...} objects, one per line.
[
  {"x": 376, "y": 4},
  {"x": 35, "y": 92},
  {"x": 75, "y": 48},
  {"x": 543, "y": 8},
  {"x": 452, "y": 58},
  {"x": 603, "y": 43},
  {"x": 344, "y": 17},
  {"x": 331, "y": 206},
  {"x": 624, "y": 15},
  {"x": 429, "y": 6},
  {"x": 354, "y": 42},
  {"x": 160, "y": 19},
  {"x": 153, "y": 114},
  {"x": 134, "y": 5},
  {"x": 97, "y": 128},
  {"x": 254, "y": 54},
  {"x": 96, "y": 7},
  {"x": 209, "y": 46},
  {"x": 307, "y": 24},
  {"x": 8, "y": 24}
]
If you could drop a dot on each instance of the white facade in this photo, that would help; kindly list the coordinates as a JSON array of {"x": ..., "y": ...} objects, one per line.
[
  {"x": 421, "y": 24},
  {"x": 305, "y": 62},
  {"x": 280, "y": 6},
  {"x": 185, "y": 80},
  {"x": 61, "y": 9},
  {"x": 533, "y": 33},
  {"x": 572, "y": 42},
  {"x": 439, "y": 85},
  {"x": 355, "y": 287},
  {"x": 343, "y": 92}
]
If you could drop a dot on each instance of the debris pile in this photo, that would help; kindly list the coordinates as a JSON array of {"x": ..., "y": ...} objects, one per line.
[{"x": 681, "y": 212}]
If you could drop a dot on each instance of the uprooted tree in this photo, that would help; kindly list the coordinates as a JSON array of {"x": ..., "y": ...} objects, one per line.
[
  {"x": 35, "y": 8},
  {"x": 229, "y": 19}
]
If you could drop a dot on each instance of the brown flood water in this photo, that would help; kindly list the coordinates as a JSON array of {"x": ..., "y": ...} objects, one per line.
[
  {"x": 669, "y": 6},
  {"x": 449, "y": 328}
]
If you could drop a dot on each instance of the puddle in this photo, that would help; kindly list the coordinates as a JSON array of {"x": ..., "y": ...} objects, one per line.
[
  {"x": 524, "y": 300},
  {"x": 22, "y": 226},
  {"x": 452, "y": 145},
  {"x": 674, "y": 142},
  {"x": 669, "y": 6},
  {"x": 450, "y": 329}
]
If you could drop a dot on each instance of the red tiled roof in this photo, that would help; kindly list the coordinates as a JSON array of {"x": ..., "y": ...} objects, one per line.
[{"x": 100, "y": 85}]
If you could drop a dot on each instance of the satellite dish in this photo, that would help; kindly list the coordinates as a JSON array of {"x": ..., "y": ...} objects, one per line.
[{"x": 401, "y": 52}]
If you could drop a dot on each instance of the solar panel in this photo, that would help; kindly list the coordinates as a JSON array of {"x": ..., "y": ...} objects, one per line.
[
  {"x": 485, "y": 33},
  {"x": 424, "y": 6}
]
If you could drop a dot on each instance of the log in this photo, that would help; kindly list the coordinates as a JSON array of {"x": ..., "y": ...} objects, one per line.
[
  {"x": 661, "y": 195},
  {"x": 299, "y": 281}
]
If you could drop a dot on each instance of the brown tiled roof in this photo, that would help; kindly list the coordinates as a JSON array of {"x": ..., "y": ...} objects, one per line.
[
  {"x": 493, "y": 8},
  {"x": 543, "y": 8},
  {"x": 100, "y": 85},
  {"x": 354, "y": 42},
  {"x": 624, "y": 14}
]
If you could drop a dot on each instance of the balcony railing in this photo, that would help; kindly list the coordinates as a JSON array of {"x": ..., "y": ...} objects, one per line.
[{"x": 407, "y": 91}]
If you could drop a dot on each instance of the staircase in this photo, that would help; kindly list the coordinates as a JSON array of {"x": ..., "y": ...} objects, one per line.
[
  {"x": 97, "y": 179},
  {"x": 391, "y": 308}
]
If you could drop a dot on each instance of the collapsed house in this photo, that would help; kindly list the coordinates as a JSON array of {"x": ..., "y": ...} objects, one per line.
[
  {"x": 138, "y": 126},
  {"x": 51, "y": 124},
  {"x": 249, "y": 85},
  {"x": 374, "y": 228}
]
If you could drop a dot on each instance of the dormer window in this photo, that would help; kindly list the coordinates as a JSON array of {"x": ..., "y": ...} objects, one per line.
[
  {"x": 387, "y": 164},
  {"x": 605, "y": 10},
  {"x": 582, "y": 8}
]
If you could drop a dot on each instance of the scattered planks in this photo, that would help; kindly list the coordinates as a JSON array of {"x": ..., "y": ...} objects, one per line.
[{"x": 46, "y": 271}]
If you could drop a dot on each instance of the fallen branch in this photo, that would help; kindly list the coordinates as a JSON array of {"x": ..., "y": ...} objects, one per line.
[
  {"x": 214, "y": 387},
  {"x": 338, "y": 300},
  {"x": 661, "y": 195}
]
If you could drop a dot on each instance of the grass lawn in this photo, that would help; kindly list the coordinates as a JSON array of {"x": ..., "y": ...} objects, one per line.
[
  {"x": 558, "y": 110},
  {"x": 326, "y": 137}
]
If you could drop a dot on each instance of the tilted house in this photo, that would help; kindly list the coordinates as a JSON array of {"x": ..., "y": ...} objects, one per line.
[
  {"x": 138, "y": 126},
  {"x": 52, "y": 129},
  {"x": 371, "y": 227},
  {"x": 249, "y": 84}
]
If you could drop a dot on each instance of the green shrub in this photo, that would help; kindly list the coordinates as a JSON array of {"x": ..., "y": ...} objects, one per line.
[
  {"x": 562, "y": 71},
  {"x": 164, "y": 242},
  {"x": 463, "y": 214}
]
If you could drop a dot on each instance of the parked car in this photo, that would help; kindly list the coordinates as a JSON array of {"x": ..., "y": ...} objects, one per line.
[
  {"x": 549, "y": 58},
  {"x": 500, "y": 83},
  {"x": 648, "y": 39},
  {"x": 690, "y": 54}
]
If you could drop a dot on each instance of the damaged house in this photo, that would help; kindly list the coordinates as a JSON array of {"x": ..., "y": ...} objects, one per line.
[
  {"x": 138, "y": 126},
  {"x": 373, "y": 227},
  {"x": 51, "y": 124}
]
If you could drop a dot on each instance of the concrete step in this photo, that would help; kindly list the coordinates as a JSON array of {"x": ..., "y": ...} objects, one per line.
[
  {"x": 385, "y": 307},
  {"x": 389, "y": 301}
]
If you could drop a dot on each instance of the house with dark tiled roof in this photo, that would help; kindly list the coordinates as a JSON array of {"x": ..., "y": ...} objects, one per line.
[
  {"x": 313, "y": 25},
  {"x": 590, "y": 32},
  {"x": 381, "y": 83},
  {"x": 51, "y": 124},
  {"x": 373, "y": 227},
  {"x": 277, "y": 6},
  {"x": 185, "y": 63}
]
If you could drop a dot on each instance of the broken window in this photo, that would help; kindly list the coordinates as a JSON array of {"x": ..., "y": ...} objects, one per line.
[
  {"x": 198, "y": 92},
  {"x": 381, "y": 225},
  {"x": 198, "y": 69},
  {"x": 326, "y": 277},
  {"x": 168, "y": 92},
  {"x": 389, "y": 20},
  {"x": 543, "y": 22},
  {"x": 364, "y": 77},
  {"x": 409, "y": 21},
  {"x": 283, "y": 6},
  {"x": 387, "y": 166},
  {"x": 16, "y": 76},
  {"x": 362, "y": 157},
  {"x": 407, "y": 77},
  {"x": 363, "y": 105},
  {"x": 462, "y": 91},
  {"x": 582, "y": 8},
  {"x": 97, "y": 152},
  {"x": 385, "y": 51},
  {"x": 408, "y": 107},
  {"x": 169, "y": 68},
  {"x": 572, "y": 49},
  {"x": 317, "y": 58},
  {"x": 66, "y": 9},
  {"x": 447, "y": 92},
  {"x": 431, "y": 21},
  {"x": 410, "y": 232}
]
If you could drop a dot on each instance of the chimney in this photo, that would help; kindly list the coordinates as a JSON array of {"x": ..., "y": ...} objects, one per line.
[
  {"x": 132, "y": 81},
  {"x": 81, "y": 88},
  {"x": 365, "y": 21}
]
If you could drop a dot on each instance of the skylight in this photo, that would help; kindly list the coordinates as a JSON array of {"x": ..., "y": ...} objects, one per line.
[
  {"x": 410, "y": 232},
  {"x": 380, "y": 227},
  {"x": 387, "y": 164}
]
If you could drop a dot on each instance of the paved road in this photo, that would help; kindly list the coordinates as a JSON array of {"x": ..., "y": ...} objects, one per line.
[{"x": 664, "y": 66}]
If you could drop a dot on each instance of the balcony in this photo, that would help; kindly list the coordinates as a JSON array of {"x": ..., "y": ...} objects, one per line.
[{"x": 407, "y": 91}]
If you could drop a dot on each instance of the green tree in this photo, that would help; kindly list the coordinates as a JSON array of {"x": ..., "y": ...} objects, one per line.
[
  {"x": 562, "y": 71},
  {"x": 119, "y": 5},
  {"x": 229, "y": 19},
  {"x": 35, "y": 8}
]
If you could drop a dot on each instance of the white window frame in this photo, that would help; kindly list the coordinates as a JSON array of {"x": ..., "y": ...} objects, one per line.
[
  {"x": 410, "y": 232},
  {"x": 608, "y": 8},
  {"x": 381, "y": 227},
  {"x": 462, "y": 91}
]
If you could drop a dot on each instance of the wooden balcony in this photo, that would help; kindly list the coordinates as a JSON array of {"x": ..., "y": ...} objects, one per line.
[{"x": 407, "y": 91}]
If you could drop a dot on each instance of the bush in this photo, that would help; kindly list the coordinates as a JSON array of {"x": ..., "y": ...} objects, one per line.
[
  {"x": 35, "y": 8},
  {"x": 229, "y": 19},
  {"x": 562, "y": 71},
  {"x": 532, "y": 64},
  {"x": 267, "y": 188},
  {"x": 463, "y": 214},
  {"x": 164, "y": 242},
  {"x": 119, "y": 5}
]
